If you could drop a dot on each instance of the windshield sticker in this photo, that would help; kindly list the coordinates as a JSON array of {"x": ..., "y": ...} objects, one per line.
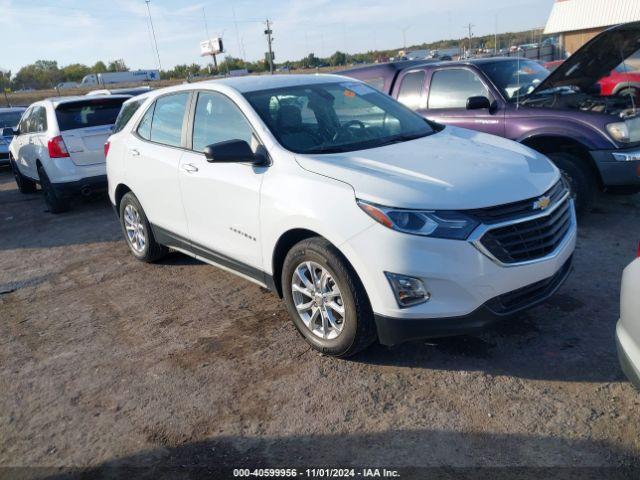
[{"x": 357, "y": 89}]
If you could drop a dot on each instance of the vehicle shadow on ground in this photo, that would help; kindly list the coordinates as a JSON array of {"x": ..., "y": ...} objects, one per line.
[
  {"x": 26, "y": 223},
  {"x": 518, "y": 348},
  {"x": 403, "y": 449}
]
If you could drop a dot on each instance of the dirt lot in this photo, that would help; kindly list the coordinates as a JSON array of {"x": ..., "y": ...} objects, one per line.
[{"x": 105, "y": 361}]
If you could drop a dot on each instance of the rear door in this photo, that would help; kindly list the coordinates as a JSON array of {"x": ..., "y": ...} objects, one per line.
[
  {"x": 86, "y": 125},
  {"x": 448, "y": 91},
  {"x": 153, "y": 156},
  {"x": 24, "y": 145}
]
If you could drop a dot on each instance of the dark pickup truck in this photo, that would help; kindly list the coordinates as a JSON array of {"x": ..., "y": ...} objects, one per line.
[{"x": 593, "y": 139}]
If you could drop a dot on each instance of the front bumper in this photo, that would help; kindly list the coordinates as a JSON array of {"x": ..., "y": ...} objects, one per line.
[
  {"x": 628, "y": 355},
  {"x": 392, "y": 331},
  {"x": 618, "y": 172}
]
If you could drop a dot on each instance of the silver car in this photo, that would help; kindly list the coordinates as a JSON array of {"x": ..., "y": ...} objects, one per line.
[
  {"x": 628, "y": 328},
  {"x": 9, "y": 118}
]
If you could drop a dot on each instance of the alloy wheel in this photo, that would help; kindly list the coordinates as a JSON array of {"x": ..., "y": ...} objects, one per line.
[
  {"x": 135, "y": 229},
  {"x": 318, "y": 300}
]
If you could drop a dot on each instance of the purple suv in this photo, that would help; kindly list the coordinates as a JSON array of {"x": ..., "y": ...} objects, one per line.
[{"x": 593, "y": 139}]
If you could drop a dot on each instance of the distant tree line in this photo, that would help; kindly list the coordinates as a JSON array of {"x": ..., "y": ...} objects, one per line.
[{"x": 47, "y": 73}]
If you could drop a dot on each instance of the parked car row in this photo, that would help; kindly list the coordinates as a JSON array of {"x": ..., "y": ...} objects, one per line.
[
  {"x": 593, "y": 139},
  {"x": 370, "y": 221}
]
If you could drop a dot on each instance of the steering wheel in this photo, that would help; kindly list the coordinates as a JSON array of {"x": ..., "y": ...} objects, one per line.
[{"x": 345, "y": 128}]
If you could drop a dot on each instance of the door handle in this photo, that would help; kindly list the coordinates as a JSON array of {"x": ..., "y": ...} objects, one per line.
[
  {"x": 189, "y": 168},
  {"x": 134, "y": 152}
]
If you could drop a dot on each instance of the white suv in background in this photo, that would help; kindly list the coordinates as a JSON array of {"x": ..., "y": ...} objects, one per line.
[
  {"x": 59, "y": 143},
  {"x": 370, "y": 221}
]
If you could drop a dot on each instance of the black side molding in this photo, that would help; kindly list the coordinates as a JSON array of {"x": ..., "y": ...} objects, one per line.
[{"x": 170, "y": 239}]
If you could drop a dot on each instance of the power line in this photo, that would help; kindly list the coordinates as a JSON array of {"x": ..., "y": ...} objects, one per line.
[{"x": 153, "y": 31}]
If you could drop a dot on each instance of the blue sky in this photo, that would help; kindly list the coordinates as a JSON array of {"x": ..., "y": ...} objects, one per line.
[{"x": 84, "y": 31}]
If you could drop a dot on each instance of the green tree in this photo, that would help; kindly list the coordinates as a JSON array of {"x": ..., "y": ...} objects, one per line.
[
  {"x": 41, "y": 74},
  {"x": 99, "y": 67},
  {"x": 338, "y": 58},
  {"x": 75, "y": 72},
  {"x": 117, "y": 66}
]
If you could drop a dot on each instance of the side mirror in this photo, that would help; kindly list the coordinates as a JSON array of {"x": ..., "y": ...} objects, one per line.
[
  {"x": 478, "y": 103},
  {"x": 233, "y": 151},
  {"x": 9, "y": 132}
]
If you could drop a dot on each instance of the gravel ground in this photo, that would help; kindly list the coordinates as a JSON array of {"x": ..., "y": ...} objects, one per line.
[{"x": 106, "y": 361}]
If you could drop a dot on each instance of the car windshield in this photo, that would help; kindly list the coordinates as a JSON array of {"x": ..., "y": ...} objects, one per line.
[
  {"x": 335, "y": 117},
  {"x": 515, "y": 79},
  {"x": 9, "y": 119}
]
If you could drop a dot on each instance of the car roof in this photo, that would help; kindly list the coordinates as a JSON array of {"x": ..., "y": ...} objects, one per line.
[{"x": 266, "y": 82}]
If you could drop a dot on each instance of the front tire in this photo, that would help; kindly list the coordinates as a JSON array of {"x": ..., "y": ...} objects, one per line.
[
  {"x": 25, "y": 185},
  {"x": 584, "y": 186},
  {"x": 54, "y": 201},
  {"x": 326, "y": 299},
  {"x": 137, "y": 231}
]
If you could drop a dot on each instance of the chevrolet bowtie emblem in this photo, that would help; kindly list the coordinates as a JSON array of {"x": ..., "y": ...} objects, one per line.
[{"x": 542, "y": 203}]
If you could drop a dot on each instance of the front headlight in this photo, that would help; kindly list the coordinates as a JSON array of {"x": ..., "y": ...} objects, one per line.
[
  {"x": 428, "y": 223},
  {"x": 619, "y": 131}
]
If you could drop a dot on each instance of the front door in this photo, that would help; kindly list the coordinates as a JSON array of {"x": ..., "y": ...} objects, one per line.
[
  {"x": 448, "y": 92},
  {"x": 222, "y": 200}
]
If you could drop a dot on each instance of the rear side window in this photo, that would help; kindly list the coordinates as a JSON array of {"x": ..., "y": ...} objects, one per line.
[
  {"x": 88, "y": 113},
  {"x": 452, "y": 87},
  {"x": 144, "y": 127},
  {"x": 38, "y": 122},
  {"x": 168, "y": 116},
  {"x": 126, "y": 112},
  {"x": 411, "y": 90}
]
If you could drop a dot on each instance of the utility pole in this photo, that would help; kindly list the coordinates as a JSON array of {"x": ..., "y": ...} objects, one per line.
[
  {"x": 404, "y": 36},
  {"x": 153, "y": 31},
  {"x": 469, "y": 27},
  {"x": 495, "y": 37},
  {"x": 268, "y": 33}
]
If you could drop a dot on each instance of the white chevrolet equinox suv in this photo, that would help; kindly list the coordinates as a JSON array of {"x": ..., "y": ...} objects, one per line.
[
  {"x": 371, "y": 222},
  {"x": 59, "y": 143}
]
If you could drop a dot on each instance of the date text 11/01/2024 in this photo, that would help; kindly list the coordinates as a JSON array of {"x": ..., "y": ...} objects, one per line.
[{"x": 317, "y": 472}]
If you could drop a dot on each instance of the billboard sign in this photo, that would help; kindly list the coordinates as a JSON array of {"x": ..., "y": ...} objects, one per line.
[{"x": 213, "y": 46}]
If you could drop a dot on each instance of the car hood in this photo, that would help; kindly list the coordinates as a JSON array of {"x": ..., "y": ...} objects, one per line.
[
  {"x": 455, "y": 169},
  {"x": 595, "y": 59}
]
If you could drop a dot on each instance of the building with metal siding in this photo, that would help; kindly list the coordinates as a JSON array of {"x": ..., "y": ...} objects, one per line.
[{"x": 578, "y": 21}]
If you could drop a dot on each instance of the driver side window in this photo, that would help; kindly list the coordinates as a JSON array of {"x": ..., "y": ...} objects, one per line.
[
  {"x": 218, "y": 119},
  {"x": 451, "y": 88}
]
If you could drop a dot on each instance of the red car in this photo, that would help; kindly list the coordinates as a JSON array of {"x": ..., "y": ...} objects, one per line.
[{"x": 619, "y": 82}]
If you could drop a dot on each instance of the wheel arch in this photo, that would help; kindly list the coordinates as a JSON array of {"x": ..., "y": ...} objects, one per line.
[
  {"x": 286, "y": 241},
  {"x": 548, "y": 144},
  {"x": 121, "y": 191}
]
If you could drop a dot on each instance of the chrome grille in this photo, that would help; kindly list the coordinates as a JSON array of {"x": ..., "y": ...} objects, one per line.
[
  {"x": 515, "y": 210},
  {"x": 530, "y": 239}
]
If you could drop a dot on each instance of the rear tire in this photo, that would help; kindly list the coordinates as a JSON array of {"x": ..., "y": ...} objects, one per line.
[
  {"x": 54, "y": 201},
  {"x": 356, "y": 323},
  {"x": 25, "y": 185},
  {"x": 583, "y": 183},
  {"x": 137, "y": 231}
]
